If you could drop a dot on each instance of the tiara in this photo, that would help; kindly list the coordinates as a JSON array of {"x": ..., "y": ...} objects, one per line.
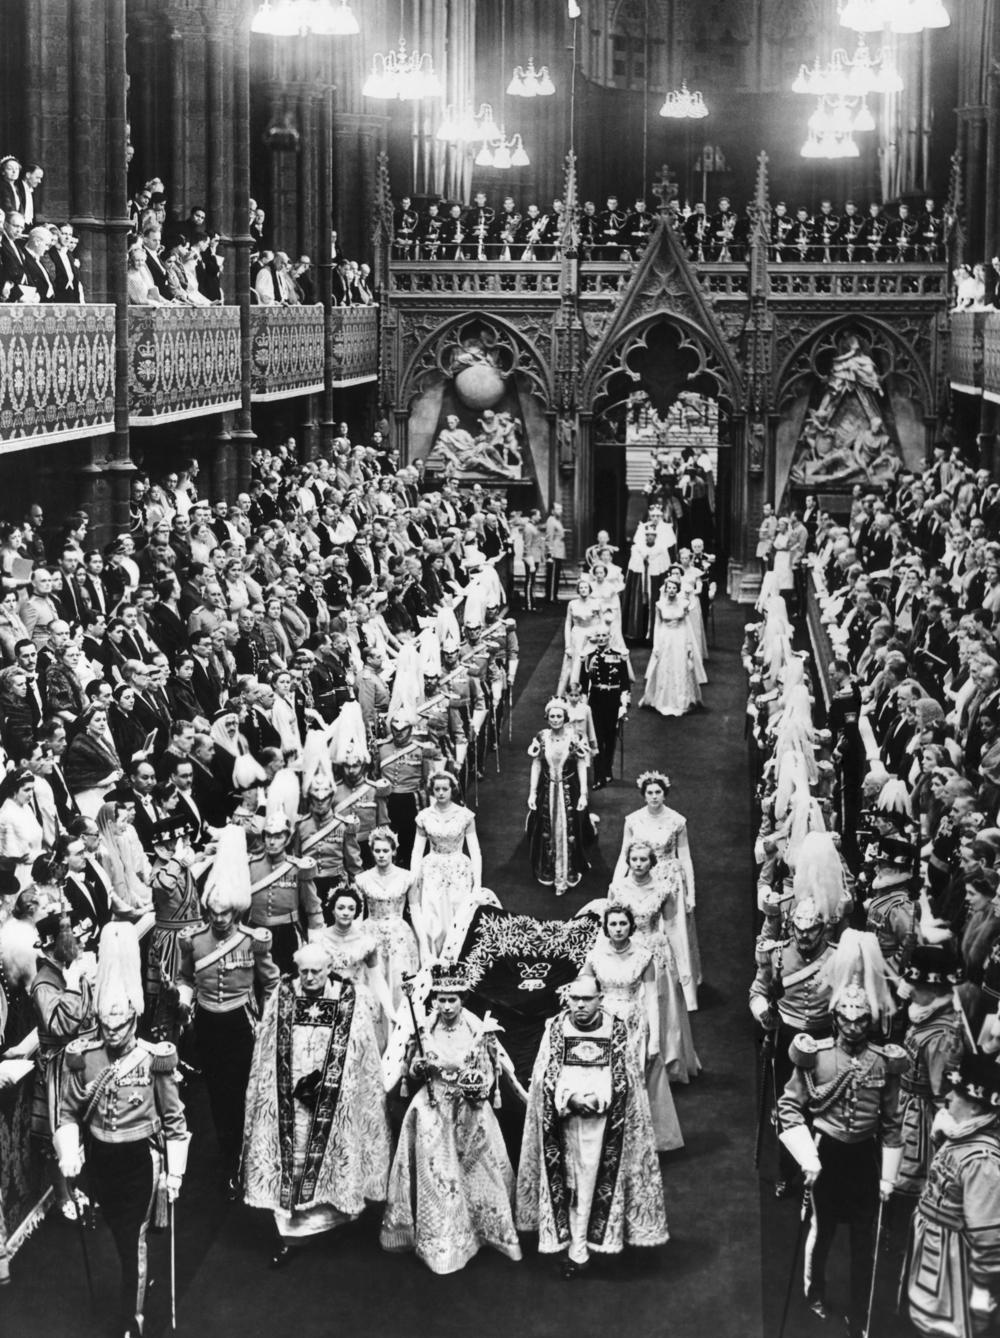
[
  {"x": 642, "y": 780},
  {"x": 383, "y": 833},
  {"x": 556, "y": 701}
]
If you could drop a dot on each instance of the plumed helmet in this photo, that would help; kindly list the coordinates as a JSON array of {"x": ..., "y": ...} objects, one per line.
[
  {"x": 806, "y": 915},
  {"x": 852, "y": 1003}
]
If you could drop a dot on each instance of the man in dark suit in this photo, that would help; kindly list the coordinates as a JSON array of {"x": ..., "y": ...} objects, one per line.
[
  {"x": 51, "y": 735},
  {"x": 151, "y": 241},
  {"x": 11, "y": 259},
  {"x": 36, "y": 274},
  {"x": 73, "y": 603},
  {"x": 88, "y": 898},
  {"x": 179, "y": 800},
  {"x": 142, "y": 788}
]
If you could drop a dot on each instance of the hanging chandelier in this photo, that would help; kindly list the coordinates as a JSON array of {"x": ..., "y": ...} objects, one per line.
[
  {"x": 468, "y": 127},
  {"x": 302, "y": 18},
  {"x": 849, "y": 76},
  {"x": 841, "y": 116},
  {"x": 683, "y": 105},
  {"x": 898, "y": 16},
  {"x": 531, "y": 83},
  {"x": 830, "y": 145},
  {"x": 507, "y": 153},
  {"x": 406, "y": 75}
]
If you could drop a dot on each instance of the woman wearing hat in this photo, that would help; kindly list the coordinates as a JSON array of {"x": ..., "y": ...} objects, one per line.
[{"x": 451, "y": 1187}]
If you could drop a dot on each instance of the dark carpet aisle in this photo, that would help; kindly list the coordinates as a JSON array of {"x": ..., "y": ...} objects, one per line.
[{"x": 707, "y": 1280}]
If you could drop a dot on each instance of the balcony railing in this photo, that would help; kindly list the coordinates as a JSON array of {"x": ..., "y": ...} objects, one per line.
[
  {"x": 497, "y": 278},
  {"x": 965, "y": 351},
  {"x": 183, "y": 361},
  {"x": 287, "y": 351},
  {"x": 57, "y": 373},
  {"x": 355, "y": 345},
  {"x": 890, "y": 282}
]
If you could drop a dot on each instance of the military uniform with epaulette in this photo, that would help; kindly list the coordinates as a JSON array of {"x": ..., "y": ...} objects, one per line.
[
  {"x": 839, "y": 1114},
  {"x": 404, "y": 766},
  {"x": 605, "y": 682},
  {"x": 131, "y": 1120},
  {"x": 329, "y": 838},
  {"x": 222, "y": 979},
  {"x": 283, "y": 900}
]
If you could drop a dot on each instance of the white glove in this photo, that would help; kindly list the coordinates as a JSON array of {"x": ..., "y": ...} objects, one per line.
[
  {"x": 761, "y": 1009},
  {"x": 69, "y": 1153},
  {"x": 174, "y": 1183},
  {"x": 982, "y": 1300},
  {"x": 799, "y": 1142}
]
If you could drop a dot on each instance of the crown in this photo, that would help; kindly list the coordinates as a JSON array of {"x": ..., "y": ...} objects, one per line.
[
  {"x": 646, "y": 776},
  {"x": 556, "y": 701},
  {"x": 449, "y": 978}
]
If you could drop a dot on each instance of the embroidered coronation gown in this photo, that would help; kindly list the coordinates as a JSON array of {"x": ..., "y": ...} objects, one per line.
[
  {"x": 446, "y": 874},
  {"x": 451, "y": 1186},
  {"x": 646, "y": 902},
  {"x": 556, "y": 829},
  {"x": 675, "y": 671},
  {"x": 619, "y": 975},
  {"x": 396, "y": 942},
  {"x": 666, "y": 835}
]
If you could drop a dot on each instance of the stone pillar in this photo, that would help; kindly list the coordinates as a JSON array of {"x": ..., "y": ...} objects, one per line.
[{"x": 243, "y": 434}]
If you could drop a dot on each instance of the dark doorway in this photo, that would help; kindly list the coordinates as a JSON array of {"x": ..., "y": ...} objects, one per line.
[{"x": 610, "y": 495}]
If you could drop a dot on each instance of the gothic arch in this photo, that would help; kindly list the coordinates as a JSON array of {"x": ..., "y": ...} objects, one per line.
[
  {"x": 713, "y": 361},
  {"x": 896, "y": 352},
  {"x": 520, "y": 353}
]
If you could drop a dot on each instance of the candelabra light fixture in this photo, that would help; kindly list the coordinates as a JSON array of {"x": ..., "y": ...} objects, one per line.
[
  {"x": 304, "y": 18},
  {"x": 531, "y": 83},
  {"x": 850, "y": 76},
  {"x": 898, "y": 16},
  {"x": 406, "y": 75},
  {"x": 683, "y": 105},
  {"x": 507, "y": 153},
  {"x": 468, "y": 127}
]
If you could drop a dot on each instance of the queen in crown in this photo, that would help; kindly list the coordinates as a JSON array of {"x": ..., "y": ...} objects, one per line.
[{"x": 451, "y": 1187}]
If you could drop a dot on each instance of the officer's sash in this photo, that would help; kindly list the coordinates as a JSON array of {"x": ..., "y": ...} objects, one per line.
[
  {"x": 403, "y": 752},
  {"x": 121, "y": 1068},
  {"x": 227, "y": 945},
  {"x": 317, "y": 836},
  {"x": 803, "y": 973},
  {"x": 276, "y": 874}
]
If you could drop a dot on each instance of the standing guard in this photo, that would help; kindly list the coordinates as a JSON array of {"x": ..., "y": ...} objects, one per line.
[
  {"x": 610, "y": 227},
  {"x": 638, "y": 229},
  {"x": 604, "y": 679},
  {"x": 781, "y": 227},
  {"x": 590, "y": 237},
  {"x": 224, "y": 967},
  {"x": 120, "y": 1113},
  {"x": 930, "y": 234},
  {"x": 827, "y": 233},
  {"x": 902, "y": 238},
  {"x": 478, "y": 226},
  {"x": 405, "y": 222},
  {"x": 430, "y": 238},
  {"x": 697, "y": 233},
  {"x": 850, "y": 229},
  {"x": 847, "y": 1089}
]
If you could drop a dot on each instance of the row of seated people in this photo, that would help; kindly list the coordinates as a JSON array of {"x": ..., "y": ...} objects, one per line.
[
  {"x": 822, "y": 238},
  {"x": 480, "y": 232}
]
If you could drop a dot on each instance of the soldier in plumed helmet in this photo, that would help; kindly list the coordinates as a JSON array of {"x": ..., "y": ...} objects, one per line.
[
  {"x": 121, "y": 1113},
  {"x": 840, "y": 1120},
  {"x": 226, "y": 970}
]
